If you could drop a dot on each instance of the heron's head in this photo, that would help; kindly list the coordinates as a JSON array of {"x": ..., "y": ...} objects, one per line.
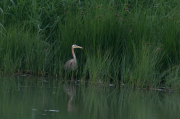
[{"x": 76, "y": 46}]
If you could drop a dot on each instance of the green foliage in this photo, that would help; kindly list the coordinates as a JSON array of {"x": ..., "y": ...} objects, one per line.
[
  {"x": 98, "y": 67},
  {"x": 135, "y": 42}
]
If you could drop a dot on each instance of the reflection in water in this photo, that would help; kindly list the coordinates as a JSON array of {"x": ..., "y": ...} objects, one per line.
[
  {"x": 70, "y": 90},
  {"x": 53, "y": 100}
]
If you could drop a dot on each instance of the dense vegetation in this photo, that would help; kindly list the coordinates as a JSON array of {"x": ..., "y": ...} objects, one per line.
[{"x": 135, "y": 42}]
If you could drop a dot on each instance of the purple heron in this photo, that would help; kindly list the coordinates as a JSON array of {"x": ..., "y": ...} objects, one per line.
[{"x": 72, "y": 63}]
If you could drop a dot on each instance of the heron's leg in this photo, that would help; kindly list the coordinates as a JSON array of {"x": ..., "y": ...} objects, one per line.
[
  {"x": 72, "y": 76},
  {"x": 76, "y": 74}
]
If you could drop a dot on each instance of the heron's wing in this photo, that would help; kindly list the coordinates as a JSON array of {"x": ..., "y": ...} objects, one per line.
[{"x": 70, "y": 65}]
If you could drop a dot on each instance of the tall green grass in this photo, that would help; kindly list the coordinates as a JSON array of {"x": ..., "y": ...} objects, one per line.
[{"x": 135, "y": 42}]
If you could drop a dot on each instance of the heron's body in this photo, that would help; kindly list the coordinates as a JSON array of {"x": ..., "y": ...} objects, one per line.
[{"x": 72, "y": 64}]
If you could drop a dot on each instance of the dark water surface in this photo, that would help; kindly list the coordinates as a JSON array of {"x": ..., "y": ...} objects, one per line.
[{"x": 36, "y": 98}]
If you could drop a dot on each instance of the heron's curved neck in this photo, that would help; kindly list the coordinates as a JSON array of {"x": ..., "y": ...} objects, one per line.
[{"x": 74, "y": 56}]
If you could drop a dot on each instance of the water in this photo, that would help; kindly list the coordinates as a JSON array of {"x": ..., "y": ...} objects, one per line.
[{"x": 36, "y": 98}]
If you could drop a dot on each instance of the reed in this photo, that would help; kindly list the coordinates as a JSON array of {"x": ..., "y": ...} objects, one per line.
[{"x": 124, "y": 42}]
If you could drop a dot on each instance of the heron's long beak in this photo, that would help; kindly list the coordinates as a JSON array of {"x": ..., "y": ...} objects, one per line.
[{"x": 79, "y": 47}]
